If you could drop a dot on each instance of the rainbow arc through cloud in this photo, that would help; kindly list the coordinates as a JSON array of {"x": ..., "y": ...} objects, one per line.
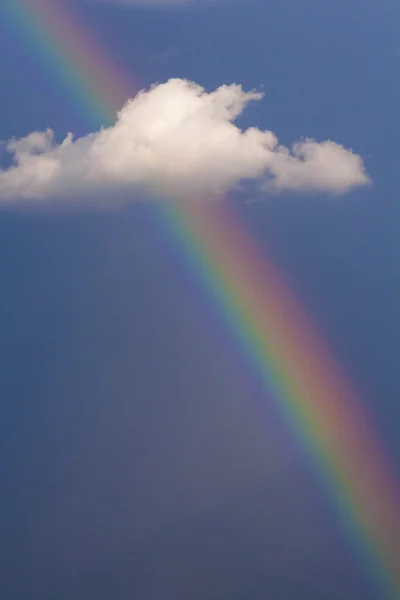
[{"x": 256, "y": 305}]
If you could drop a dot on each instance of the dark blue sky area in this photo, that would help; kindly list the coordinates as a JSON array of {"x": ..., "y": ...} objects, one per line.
[{"x": 140, "y": 457}]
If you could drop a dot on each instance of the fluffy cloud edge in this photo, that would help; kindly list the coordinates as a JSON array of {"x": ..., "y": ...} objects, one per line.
[{"x": 177, "y": 141}]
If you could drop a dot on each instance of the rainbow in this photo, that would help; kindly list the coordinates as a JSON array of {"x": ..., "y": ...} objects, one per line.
[{"x": 258, "y": 309}]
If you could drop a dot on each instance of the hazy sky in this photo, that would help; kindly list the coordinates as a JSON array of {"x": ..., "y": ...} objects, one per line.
[{"x": 139, "y": 455}]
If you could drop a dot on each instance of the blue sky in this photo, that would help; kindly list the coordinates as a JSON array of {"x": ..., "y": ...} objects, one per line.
[{"x": 139, "y": 456}]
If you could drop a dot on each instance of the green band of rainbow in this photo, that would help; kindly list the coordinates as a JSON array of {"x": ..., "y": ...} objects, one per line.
[{"x": 258, "y": 308}]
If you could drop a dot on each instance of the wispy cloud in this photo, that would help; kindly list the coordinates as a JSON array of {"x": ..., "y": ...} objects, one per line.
[{"x": 175, "y": 141}]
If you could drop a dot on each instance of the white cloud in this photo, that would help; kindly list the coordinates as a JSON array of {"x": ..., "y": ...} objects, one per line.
[{"x": 175, "y": 141}]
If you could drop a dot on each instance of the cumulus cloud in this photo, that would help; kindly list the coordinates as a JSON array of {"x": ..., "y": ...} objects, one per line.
[{"x": 175, "y": 141}]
